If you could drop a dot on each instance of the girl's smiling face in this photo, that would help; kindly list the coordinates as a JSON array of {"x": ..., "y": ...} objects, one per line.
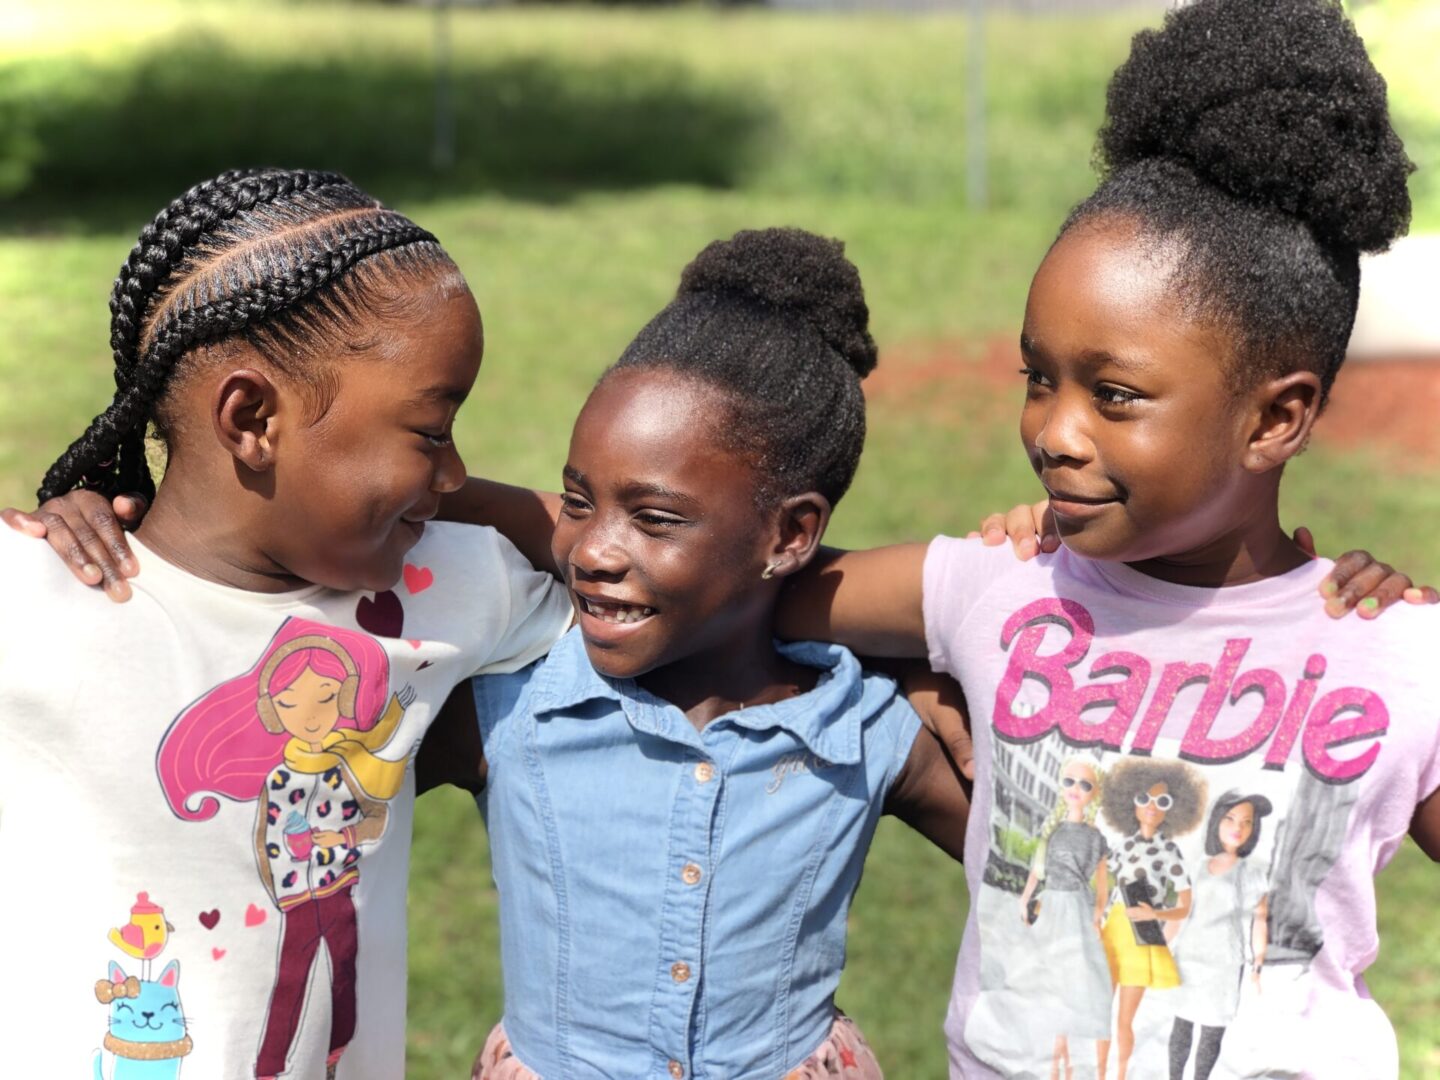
[
  {"x": 1130, "y": 420},
  {"x": 659, "y": 540},
  {"x": 353, "y": 493}
]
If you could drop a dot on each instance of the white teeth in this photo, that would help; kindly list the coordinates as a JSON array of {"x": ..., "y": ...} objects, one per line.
[{"x": 616, "y": 613}]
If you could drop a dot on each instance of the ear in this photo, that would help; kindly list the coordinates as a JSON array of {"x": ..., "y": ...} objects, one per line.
[
  {"x": 1286, "y": 409},
  {"x": 170, "y": 975},
  {"x": 117, "y": 973},
  {"x": 800, "y": 523},
  {"x": 243, "y": 413}
]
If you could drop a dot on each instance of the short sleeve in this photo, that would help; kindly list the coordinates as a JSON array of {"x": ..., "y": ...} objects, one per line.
[
  {"x": 498, "y": 700},
  {"x": 956, "y": 575},
  {"x": 904, "y": 722},
  {"x": 538, "y": 612}
]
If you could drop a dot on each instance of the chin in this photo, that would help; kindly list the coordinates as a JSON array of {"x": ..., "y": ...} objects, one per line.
[{"x": 615, "y": 663}]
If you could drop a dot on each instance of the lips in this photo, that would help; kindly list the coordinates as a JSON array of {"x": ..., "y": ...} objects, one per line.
[{"x": 1070, "y": 504}]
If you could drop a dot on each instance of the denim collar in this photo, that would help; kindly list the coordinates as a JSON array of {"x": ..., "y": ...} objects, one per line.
[{"x": 827, "y": 720}]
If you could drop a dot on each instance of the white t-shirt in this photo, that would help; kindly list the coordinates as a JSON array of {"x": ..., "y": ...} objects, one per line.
[{"x": 141, "y": 754}]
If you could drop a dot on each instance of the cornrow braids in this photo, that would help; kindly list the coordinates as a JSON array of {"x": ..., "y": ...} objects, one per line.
[
  {"x": 284, "y": 259},
  {"x": 1254, "y": 137},
  {"x": 776, "y": 320}
]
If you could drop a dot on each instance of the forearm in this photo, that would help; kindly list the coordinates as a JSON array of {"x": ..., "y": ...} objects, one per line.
[
  {"x": 523, "y": 516},
  {"x": 929, "y": 796}
]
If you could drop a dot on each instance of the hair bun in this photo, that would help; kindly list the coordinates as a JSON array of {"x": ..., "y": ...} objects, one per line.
[
  {"x": 795, "y": 272},
  {"x": 1276, "y": 102}
]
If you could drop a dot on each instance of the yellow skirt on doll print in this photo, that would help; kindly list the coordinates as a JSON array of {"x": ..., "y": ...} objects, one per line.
[{"x": 1132, "y": 964}]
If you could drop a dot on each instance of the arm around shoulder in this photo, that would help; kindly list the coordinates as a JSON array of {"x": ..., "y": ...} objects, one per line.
[
  {"x": 869, "y": 601},
  {"x": 1425, "y": 825}
]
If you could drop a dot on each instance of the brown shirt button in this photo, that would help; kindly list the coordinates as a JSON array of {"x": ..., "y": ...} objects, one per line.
[
  {"x": 677, "y": 1070},
  {"x": 704, "y": 772},
  {"x": 691, "y": 874},
  {"x": 680, "y": 971}
]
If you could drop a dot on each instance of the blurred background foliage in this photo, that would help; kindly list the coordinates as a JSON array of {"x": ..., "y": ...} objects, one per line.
[{"x": 596, "y": 150}]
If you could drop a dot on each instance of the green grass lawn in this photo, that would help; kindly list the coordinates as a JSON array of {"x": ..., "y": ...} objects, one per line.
[{"x": 597, "y": 151}]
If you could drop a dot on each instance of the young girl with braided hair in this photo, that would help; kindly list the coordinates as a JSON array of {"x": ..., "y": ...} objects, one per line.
[{"x": 301, "y": 351}]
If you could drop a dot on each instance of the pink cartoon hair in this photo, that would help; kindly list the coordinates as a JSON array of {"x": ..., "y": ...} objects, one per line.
[{"x": 219, "y": 746}]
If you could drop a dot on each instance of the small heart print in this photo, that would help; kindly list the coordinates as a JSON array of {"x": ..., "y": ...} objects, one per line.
[
  {"x": 418, "y": 578},
  {"x": 254, "y": 916},
  {"x": 383, "y": 616},
  {"x": 424, "y": 665},
  {"x": 415, "y": 643},
  {"x": 208, "y": 919},
  {"x": 217, "y": 953}
]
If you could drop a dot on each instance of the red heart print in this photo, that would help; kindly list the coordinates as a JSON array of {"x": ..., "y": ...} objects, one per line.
[
  {"x": 217, "y": 953},
  {"x": 254, "y": 916},
  {"x": 382, "y": 616},
  {"x": 415, "y": 643},
  {"x": 418, "y": 578},
  {"x": 208, "y": 919}
]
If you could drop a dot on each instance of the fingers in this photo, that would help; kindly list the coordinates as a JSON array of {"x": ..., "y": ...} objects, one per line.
[
  {"x": 1305, "y": 541},
  {"x": 130, "y": 509},
  {"x": 83, "y": 530},
  {"x": 950, "y": 729},
  {"x": 1355, "y": 575},
  {"x": 992, "y": 530},
  {"x": 22, "y": 522},
  {"x": 1421, "y": 594}
]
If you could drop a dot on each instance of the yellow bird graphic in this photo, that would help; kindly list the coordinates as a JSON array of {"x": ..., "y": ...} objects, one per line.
[{"x": 145, "y": 935}]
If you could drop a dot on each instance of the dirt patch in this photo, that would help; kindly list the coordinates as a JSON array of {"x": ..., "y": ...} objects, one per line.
[{"x": 1389, "y": 406}]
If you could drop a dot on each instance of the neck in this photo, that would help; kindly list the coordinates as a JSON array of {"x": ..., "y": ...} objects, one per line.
[
  {"x": 1075, "y": 813},
  {"x": 739, "y": 673},
  {"x": 186, "y": 528},
  {"x": 1256, "y": 550}
]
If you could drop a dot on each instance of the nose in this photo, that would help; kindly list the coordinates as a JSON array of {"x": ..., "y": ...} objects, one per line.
[
  {"x": 449, "y": 472},
  {"x": 147, "y": 1015},
  {"x": 597, "y": 552},
  {"x": 1063, "y": 438}
]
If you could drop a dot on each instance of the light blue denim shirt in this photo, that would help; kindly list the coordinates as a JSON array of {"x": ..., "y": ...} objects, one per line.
[{"x": 672, "y": 901}]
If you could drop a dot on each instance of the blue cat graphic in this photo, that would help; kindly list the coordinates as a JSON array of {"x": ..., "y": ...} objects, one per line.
[{"x": 147, "y": 1025}]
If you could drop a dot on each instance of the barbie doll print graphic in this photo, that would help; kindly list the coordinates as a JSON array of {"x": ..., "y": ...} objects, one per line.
[
  {"x": 1156, "y": 845},
  {"x": 304, "y": 734}
]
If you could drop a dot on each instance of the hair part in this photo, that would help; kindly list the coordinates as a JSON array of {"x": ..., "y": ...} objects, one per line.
[
  {"x": 775, "y": 320},
  {"x": 286, "y": 261}
]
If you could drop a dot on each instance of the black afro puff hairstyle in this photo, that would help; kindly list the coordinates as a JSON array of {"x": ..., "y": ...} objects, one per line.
[
  {"x": 1135, "y": 775},
  {"x": 776, "y": 320},
  {"x": 1256, "y": 134}
]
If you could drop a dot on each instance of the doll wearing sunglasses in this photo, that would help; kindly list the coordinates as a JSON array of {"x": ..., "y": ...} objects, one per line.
[{"x": 1151, "y": 802}]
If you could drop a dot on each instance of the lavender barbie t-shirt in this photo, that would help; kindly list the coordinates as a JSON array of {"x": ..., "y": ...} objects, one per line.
[{"x": 1189, "y": 702}]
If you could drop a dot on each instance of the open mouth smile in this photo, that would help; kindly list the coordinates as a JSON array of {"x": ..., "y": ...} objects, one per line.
[{"x": 614, "y": 612}]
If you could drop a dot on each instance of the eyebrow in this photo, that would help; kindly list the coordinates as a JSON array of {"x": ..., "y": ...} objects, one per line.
[
  {"x": 429, "y": 395},
  {"x": 1132, "y": 365},
  {"x": 635, "y": 489}
]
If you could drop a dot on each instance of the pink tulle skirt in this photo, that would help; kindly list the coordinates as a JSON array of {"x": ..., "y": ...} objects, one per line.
[{"x": 844, "y": 1054}]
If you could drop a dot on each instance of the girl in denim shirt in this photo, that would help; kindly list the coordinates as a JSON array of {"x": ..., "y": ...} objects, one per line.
[{"x": 679, "y": 806}]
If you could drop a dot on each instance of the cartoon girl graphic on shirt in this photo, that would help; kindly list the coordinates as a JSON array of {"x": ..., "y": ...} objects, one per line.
[
  {"x": 1229, "y": 913},
  {"x": 1150, "y": 801},
  {"x": 1068, "y": 984},
  {"x": 298, "y": 733}
]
